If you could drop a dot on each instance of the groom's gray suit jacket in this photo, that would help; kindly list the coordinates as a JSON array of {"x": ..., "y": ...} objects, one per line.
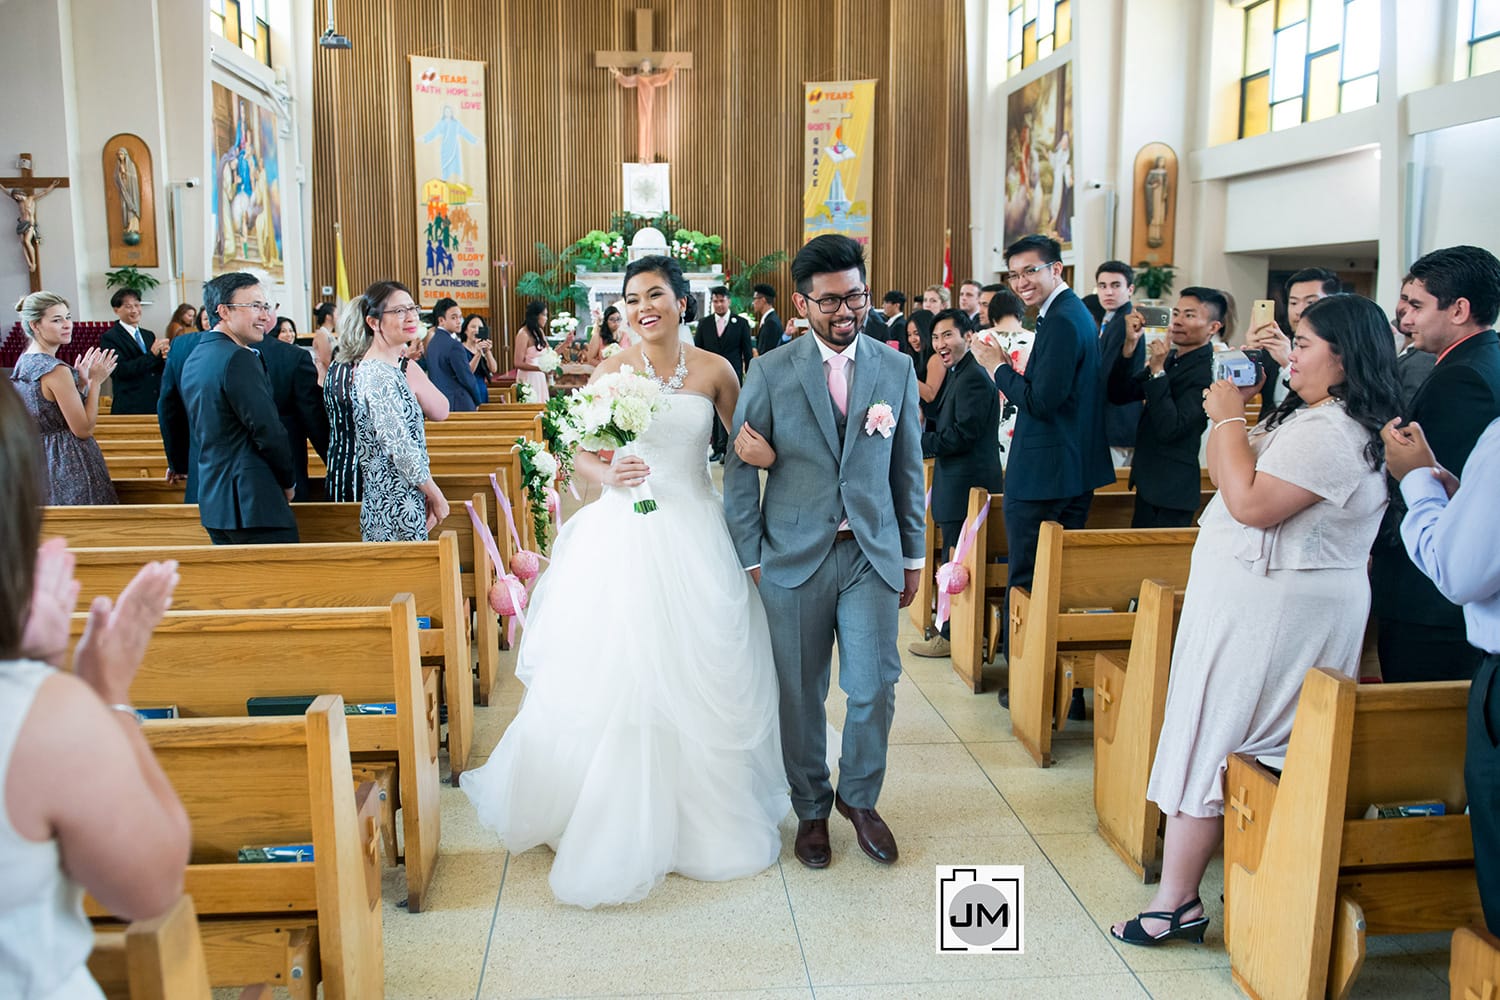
[{"x": 824, "y": 473}]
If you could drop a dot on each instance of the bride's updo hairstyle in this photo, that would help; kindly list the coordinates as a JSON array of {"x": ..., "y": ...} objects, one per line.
[{"x": 670, "y": 270}]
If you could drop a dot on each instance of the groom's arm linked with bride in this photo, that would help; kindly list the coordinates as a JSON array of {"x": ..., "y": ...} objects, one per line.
[{"x": 838, "y": 538}]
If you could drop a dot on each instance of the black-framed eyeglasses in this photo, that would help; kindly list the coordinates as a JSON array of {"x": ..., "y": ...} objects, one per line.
[
  {"x": 1026, "y": 272},
  {"x": 829, "y": 304},
  {"x": 402, "y": 312}
]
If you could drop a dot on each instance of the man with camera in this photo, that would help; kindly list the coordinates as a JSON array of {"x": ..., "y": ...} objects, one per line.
[{"x": 1164, "y": 470}]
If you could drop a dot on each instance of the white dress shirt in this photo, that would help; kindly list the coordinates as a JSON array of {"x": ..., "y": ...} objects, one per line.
[{"x": 1453, "y": 542}]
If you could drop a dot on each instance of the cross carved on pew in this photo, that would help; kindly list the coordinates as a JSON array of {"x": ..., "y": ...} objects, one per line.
[
  {"x": 25, "y": 191},
  {"x": 1238, "y": 803}
]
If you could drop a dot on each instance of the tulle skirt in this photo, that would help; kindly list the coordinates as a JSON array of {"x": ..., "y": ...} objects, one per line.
[{"x": 648, "y": 740}]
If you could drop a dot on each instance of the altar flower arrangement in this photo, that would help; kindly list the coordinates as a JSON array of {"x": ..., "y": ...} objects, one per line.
[
  {"x": 693, "y": 247},
  {"x": 538, "y": 470},
  {"x": 601, "y": 251},
  {"x": 879, "y": 418},
  {"x": 611, "y": 413},
  {"x": 749, "y": 317},
  {"x": 563, "y": 324}
]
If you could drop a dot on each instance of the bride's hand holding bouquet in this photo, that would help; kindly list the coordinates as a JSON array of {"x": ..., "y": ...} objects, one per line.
[{"x": 611, "y": 413}]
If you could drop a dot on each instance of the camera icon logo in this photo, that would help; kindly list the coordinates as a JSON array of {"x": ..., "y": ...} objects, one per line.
[{"x": 979, "y": 909}]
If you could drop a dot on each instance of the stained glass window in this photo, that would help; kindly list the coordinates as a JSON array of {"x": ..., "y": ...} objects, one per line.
[
  {"x": 1484, "y": 37},
  {"x": 1034, "y": 30},
  {"x": 1305, "y": 60}
]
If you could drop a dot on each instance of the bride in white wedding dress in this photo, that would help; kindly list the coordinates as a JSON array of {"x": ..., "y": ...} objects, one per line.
[{"x": 648, "y": 741}]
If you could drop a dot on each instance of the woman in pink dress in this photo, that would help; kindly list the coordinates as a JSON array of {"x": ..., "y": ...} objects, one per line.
[{"x": 531, "y": 341}]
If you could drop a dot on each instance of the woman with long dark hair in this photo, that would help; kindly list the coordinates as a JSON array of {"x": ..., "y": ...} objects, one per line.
[
  {"x": 1278, "y": 583},
  {"x": 930, "y": 370},
  {"x": 531, "y": 341},
  {"x": 606, "y": 334},
  {"x": 647, "y": 741},
  {"x": 475, "y": 337}
]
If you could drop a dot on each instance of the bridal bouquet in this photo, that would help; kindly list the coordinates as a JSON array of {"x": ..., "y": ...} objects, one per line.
[
  {"x": 548, "y": 361},
  {"x": 611, "y": 413}
]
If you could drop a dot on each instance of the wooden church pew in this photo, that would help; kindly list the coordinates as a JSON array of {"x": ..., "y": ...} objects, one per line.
[
  {"x": 209, "y": 663},
  {"x": 1306, "y": 876},
  {"x": 335, "y": 575},
  {"x": 1474, "y": 967},
  {"x": 1130, "y": 699},
  {"x": 157, "y": 959},
  {"x": 921, "y": 608},
  {"x": 1053, "y": 638},
  {"x": 277, "y": 781}
]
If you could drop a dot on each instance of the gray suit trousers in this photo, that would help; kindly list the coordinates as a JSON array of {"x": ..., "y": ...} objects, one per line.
[{"x": 847, "y": 597}]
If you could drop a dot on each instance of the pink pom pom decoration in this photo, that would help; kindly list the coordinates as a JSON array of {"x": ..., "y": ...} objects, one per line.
[
  {"x": 525, "y": 564},
  {"x": 508, "y": 596},
  {"x": 553, "y": 500},
  {"x": 953, "y": 578}
]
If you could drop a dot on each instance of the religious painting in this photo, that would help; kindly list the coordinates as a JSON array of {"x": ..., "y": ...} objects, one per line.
[
  {"x": 838, "y": 159},
  {"x": 1154, "y": 226},
  {"x": 246, "y": 187},
  {"x": 1039, "y": 158},
  {"x": 451, "y": 171},
  {"x": 129, "y": 202}
]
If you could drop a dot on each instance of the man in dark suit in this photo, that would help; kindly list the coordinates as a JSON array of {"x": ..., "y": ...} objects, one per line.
[
  {"x": 1114, "y": 283},
  {"x": 1057, "y": 455},
  {"x": 772, "y": 333},
  {"x": 244, "y": 468},
  {"x": 887, "y": 322},
  {"x": 299, "y": 401},
  {"x": 136, "y": 382},
  {"x": 1451, "y": 297},
  {"x": 171, "y": 414},
  {"x": 448, "y": 360},
  {"x": 728, "y": 336},
  {"x": 1164, "y": 471},
  {"x": 962, "y": 438}
]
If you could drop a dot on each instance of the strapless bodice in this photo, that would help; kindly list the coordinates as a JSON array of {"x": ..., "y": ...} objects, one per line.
[{"x": 675, "y": 447}]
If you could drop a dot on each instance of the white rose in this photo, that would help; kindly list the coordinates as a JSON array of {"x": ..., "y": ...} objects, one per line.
[{"x": 544, "y": 464}]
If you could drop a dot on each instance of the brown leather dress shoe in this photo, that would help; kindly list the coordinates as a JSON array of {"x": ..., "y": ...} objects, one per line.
[
  {"x": 875, "y": 838},
  {"x": 812, "y": 843}
]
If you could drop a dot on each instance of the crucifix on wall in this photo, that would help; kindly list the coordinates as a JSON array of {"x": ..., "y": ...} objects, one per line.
[
  {"x": 26, "y": 191},
  {"x": 644, "y": 70}
]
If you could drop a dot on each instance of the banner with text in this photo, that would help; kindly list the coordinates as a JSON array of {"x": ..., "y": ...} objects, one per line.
[
  {"x": 453, "y": 228},
  {"x": 839, "y": 172}
]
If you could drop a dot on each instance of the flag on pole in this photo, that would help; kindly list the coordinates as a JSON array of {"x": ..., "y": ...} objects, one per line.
[
  {"x": 948, "y": 259},
  {"x": 341, "y": 278}
]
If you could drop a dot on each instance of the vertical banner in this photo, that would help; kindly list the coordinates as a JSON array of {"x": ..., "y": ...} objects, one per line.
[
  {"x": 453, "y": 229},
  {"x": 838, "y": 174}
]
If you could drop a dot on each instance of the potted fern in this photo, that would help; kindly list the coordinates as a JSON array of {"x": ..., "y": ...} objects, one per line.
[
  {"x": 1155, "y": 281},
  {"x": 131, "y": 278}
]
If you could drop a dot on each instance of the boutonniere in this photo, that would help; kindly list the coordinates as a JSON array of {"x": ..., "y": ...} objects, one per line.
[{"x": 880, "y": 418}]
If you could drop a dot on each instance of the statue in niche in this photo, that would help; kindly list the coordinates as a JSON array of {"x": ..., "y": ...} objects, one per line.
[
  {"x": 1158, "y": 191},
  {"x": 645, "y": 84},
  {"x": 128, "y": 184}
]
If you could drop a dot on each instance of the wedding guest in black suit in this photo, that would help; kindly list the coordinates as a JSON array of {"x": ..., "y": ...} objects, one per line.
[
  {"x": 1058, "y": 454},
  {"x": 1451, "y": 297},
  {"x": 136, "y": 383},
  {"x": 1164, "y": 471},
  {"x": 245, "y": 472},
  {"x": 1114, "y": 283},
  {"x": 299, "y": 401},
  {"x": 448, "y": 360},
  {"x": 888, "y": 322},
  {"x": 1413, "y": 364},
  {"x": 728, "y": 336},
  {"x": 962, "y": 438},
  {"x": 772, "y": 333}
]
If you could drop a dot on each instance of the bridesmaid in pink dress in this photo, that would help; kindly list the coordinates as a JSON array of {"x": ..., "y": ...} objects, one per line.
[{"x": 531, "y": 340}]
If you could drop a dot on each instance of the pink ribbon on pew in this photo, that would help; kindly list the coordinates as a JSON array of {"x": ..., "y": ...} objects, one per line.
[
  {"x": 952, "y": 578},
  {"x": 510, "y": 516},
  {"x": 518, "y": 595}
]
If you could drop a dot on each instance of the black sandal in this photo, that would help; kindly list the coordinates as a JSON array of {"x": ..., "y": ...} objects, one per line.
[{"x": 1191, "y": 931}]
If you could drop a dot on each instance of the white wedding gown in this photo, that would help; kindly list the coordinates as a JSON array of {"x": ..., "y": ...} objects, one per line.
[{"x": 648, "y": 740}]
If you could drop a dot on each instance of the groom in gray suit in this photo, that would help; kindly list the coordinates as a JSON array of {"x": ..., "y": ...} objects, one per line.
[{"x": 835, "y": 544}]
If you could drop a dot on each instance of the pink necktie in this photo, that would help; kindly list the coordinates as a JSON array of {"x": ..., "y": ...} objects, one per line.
[{"x": 838, "y": 385}]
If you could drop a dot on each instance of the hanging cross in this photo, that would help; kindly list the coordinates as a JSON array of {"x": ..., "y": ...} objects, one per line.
[
  {"x": 25, "y": 191},
  {"x": 651, "y": 70}
]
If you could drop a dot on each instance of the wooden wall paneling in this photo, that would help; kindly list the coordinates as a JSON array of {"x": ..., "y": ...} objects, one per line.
[{"x": 731, "y": 127}]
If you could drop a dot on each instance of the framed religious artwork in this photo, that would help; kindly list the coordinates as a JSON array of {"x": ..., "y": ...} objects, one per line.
[
  {"x": 129, "y": 202},
  {"x": 1039, "y": 159},
  {"x": 1154, "y": 191}
]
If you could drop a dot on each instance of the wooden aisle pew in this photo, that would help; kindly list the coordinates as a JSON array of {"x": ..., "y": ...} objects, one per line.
[
  {"x": 267, "y": 782},
  {"x": 157, "y": 959},
  {"x": 335, "y": 575},
  {"x": 1306, "y": 876},
  {"x": 1122, "y": 482},
  {"x": 1474, "y": 967},
  {"x": 979, "y": 618},
  {"x": 178, "y": 524},
  {"x": 1130, "y": 700},
  {"x": 210, "y": 663},
  {"x": 921, "y": 609},
  {"x": 1057, "y": 626}
]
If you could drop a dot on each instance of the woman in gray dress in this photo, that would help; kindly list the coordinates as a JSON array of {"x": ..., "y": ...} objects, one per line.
[
  {"x": 1277, "y": 586},
  {"x": 401, "y": 502},
  {"x": 64, "y": 402}
]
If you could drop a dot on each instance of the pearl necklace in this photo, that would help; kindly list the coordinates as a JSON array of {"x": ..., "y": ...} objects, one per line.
[{"x": 678, "y": 376}]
